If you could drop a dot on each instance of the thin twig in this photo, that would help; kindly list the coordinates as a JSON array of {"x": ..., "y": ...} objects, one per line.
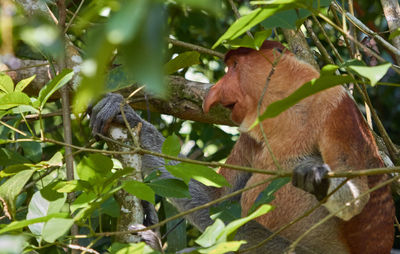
[
  {"x": 73, "y": 16},
  {"x": 195, "y": 48}
]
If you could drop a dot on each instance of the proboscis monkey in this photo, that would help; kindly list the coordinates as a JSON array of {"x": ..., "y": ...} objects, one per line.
[
  {"x": 327, "y": 124},
  {"x": 322, "y": 132}
]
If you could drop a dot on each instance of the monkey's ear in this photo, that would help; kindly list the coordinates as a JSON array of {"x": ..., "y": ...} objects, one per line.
[{"x": 213, "y": 97}]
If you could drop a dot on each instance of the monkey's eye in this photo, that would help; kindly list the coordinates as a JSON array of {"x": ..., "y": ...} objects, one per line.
[{"x": 234, "y": 64}]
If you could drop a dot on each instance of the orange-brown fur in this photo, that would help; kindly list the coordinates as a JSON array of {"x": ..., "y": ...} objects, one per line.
[{"x": 327, "y": 123}]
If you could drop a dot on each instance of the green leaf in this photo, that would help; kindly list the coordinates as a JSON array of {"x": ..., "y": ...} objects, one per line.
[
  {"x": 327, "y": 80},
  {"x": 373, "y": 73},
  {"x": 56, "y": 83},
  {"x": 171, "y": 146},
  {"x": 125, "y": 23},
  {"x": 73, "y": 185},
  {"x": 55, "y": 228},
  {"x": 224, "y": 247},
  {"x": 246, "y": 22},
  {"x": 136, "y": 248},
  {"x": 13, "y": 99},
  {"x": 267, "y": 195},
  {"x": 40, "y": 207},
  {"x": 10, "y": 189},
  {"x": 6, "y": 83},
  {"x": 227, "y": 211},
  {"x": 140, "y": 190},
  {"x": 94, "y": 168},
  {"x": 232, "y": 227},
  {"x": 394, "y": 33},
  {"x": 111, "y": 208},
  {"x": 82, "y": 200},
  {"x": 15, "y": 225},
  {"x": 183, "y": 60},
  {"x": 211, "y": 234},
  {"x": 203, "y": 174},
  {"x": 24, "y": 83},
  {"x": 249, "y": 42},
  {"x": 170, "y": 188}
]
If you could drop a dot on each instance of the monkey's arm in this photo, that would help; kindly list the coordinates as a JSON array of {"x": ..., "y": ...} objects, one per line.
[{"x": 347, "y": 144}]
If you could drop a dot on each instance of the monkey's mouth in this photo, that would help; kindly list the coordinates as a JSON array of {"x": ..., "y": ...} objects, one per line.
[{"x": 230, "y": 106}]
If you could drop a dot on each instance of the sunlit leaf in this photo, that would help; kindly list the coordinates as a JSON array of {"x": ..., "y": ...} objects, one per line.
[
  {"x": 203, "y": 174},
  {"x": 124, "y": 248},
  {"x": 394, "y": 34},
  {"x": 140, "y": 190},
  {"x": 223, "y": 247},
  {"x": 210, "y": 235},
  {"x": 246, "y": 22},
  {"x": 248, "y": 42},
  {"x": 41, "y": 207},
  {"x": 24, "y": 83},
  {"x": 6, "y": 83},
  {"x": 55, "y": 228},
  {"x": 373, "y": 73},
  {"x": 13, "y": 99},
  {"x": 286, "y": 19},
  {"x": 183, "y": 60},
  {"x": 56, "y": 83}
]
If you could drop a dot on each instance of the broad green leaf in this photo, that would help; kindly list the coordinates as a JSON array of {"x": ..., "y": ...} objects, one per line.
[
  {"x": 94, "y": 168},
  {"x": 373, "y": 73},
  {"x": 136, "y": 248},
  {"x": 14, "y": 169},
  {"x": 394, "y": 34},
  {"x": 41, "y": 207},
  {"x": 82, "y": 200},
  {"x": 267, "y": 195},
  {"x": 6, "y": 83},
  {"x": 140, "y": 190},
  {"x": 171, "y": 146},
  {"x": 13, "y": 99},
  {"x": 13, "y": 244},
  {"x": 73, "y": 185},
  {"x": 55, "y": 228},
  {"x": 248, "y": 42},
  {"x": 183, "y": 60},
  {"x": 246, "y": 22},
  {"x": 24, "y": 83},
  {"x": 327, "y": 80},
  {"x": 227, "y": 232},
  {"x": 56, "y": 83},
  {"x": 203, "y": 174},
  {"x": 170, "y": 188},
  {"x": 223, "y": 247},
  {"x": 211, "y": 234},
  {"x": 125, "y": 23},
  {"x": 49, "y": 193},
  {"x": 10, "y": 189},
  {"x": 15, "y": 225}
]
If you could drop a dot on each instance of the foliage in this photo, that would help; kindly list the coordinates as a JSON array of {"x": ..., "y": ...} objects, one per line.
[{"x": 122, "y": 42}]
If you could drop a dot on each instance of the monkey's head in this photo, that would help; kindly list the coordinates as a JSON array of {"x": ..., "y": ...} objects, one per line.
[{"x": 241, "y": 88}]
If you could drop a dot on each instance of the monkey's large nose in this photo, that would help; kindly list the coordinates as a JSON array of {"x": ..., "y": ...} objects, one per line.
[{"x": 212, "y": 98}]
